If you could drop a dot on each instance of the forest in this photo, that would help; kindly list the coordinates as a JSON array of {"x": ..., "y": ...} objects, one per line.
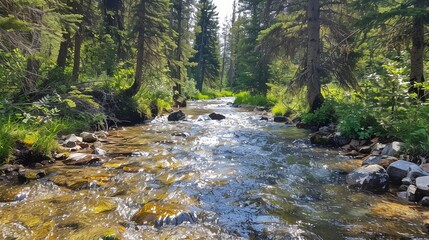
[{"x": 73, "y": 65}]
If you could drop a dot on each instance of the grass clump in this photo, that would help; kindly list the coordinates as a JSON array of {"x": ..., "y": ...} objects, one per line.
[{"x": 254, "y": 100}]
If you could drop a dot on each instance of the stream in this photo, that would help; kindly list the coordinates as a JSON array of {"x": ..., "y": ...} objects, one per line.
[{"x": 238, "y": 178}]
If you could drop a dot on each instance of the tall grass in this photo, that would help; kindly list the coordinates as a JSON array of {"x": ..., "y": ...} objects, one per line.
[{"x": 254, "y": 100}]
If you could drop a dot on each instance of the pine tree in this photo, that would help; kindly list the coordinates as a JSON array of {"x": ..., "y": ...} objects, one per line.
[
  {"x": 151, "y": 26},
  {"x": 206, "y": 44}
]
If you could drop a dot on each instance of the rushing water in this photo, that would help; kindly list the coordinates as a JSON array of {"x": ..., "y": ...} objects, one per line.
[{"x": 239, "y": 178}]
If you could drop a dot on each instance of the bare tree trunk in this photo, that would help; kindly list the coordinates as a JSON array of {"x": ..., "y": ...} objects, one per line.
[
  {"x": 417, "y": 53},
  {"x": 138, "y": 77},
  {"x": 32, "y": 68},
  {"x": 62, "y": 53},
  {"x": 314, "y": 95}
]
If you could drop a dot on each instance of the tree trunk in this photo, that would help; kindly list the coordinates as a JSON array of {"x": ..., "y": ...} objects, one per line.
[
  {"x": 138, "y": 76},
  {"x": 76, "y": 57},
  {"x": 223, "y": 60},
  {"x": 32, "y": 68},
  {"x": 231, "y": 71},
  {"x": 314, "y": 95},
  {"x": 417, "y": 53},
  {"x": 62, "y": 53}
]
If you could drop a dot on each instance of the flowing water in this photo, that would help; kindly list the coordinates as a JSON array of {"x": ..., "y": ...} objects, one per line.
[{"x": 236, "y": 178}]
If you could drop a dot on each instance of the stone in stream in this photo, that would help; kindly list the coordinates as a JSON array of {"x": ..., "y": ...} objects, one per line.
[
  {"x": 216, "y": 116},
  {"x": 414, "y": 172},
  {"x": 383, "y": 161},
  {"x": 373, "y": 178},
  {"x": 72, "y": 141},
  {"x": 280, "y": 119},
  {"x": 176, "y": 116},
  {"x": 392, "y": 149},
  {"x": 82, "y": 159},
  {"x": 89, "y": 137},
  {"x": 398, "y": 170},
  {"x": 99, "y": 151},
  {"x": 341, "y": 140},
  {"x": 26, "y": 175},
  {"x": 180, "y": 134},
  {"x": 425, "y": 201},
  {"x": 414, "y": 194},
  {"x": 159, "y": 214}
]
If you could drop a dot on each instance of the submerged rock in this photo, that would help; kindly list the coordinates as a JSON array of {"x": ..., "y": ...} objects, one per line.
[
  {"x": 216, "y": 116},
  {"x": 176, "y": 116},
  {"x": 181, "y": 134},
  {"x": 82, "y": 159},
  {"x": 159, "y": 214},
  {"x": 30, "y": 174},
  {"x": 322, "y": 140},
  {"x": 371, "y": 178}
]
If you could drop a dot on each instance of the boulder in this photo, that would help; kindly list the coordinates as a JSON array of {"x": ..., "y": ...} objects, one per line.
[
  {"x": 414, "y": 194},
  {"x": 422, "y": 183},
  {"x": 341, "y": 140},
  {"x": 81, "y": 159},
  {"x": 263, "y": 119},
  {"x": 392, "y": 149},
  {"x": 425, "y": 167},
  {"x": 414, "y": 172},
  {"x": 371, "y": 178},
  {"x": 280, "y": 119},
  {"x": 216, "y": 116},
  {"x": 176, "y": 116},
  {"x": 377, "y": 148},
  {"x": 89, "y": 137},
  {"x": 398, "y": 170}
]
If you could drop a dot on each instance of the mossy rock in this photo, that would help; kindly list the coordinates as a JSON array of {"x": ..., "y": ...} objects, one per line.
[{"x": 103, "y": 205}]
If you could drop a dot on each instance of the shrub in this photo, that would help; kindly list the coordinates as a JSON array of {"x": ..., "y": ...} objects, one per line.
[{"x": 323, "y": 116}]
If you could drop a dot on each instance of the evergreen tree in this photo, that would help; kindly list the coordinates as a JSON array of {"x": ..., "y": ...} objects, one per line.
[
  {"x": 151, "y": 26},
  {"x": 206, "y": 44},
  {"x": 178, "y": 58}
]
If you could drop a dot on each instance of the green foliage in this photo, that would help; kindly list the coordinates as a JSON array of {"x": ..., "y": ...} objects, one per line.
[
  {"x": 189, "y": 89},
  {"x": 254, "y": 100},
  {"x": 279, "y": 109},
  {"x": 357, "y": 122},
  {"x": 323, "y": 116}
]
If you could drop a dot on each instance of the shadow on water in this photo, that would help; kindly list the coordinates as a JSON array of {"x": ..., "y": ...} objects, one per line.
[{"x": 235, "y": 178}]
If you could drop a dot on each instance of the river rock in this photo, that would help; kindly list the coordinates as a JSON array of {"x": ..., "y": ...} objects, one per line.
[
  {"x": 371, "y": 178},
  {"x": 414, "y": 194},
  {"x": 422, "y": 183},
  {"x": 377, "y": 148},
  {"x": 398, "y": 170},
  {"x": 392, "y": 149},
  {"x": 176, "y": 116},
  {"x": 341, "y": 140},
  {"x": 99, "y": 151},
  {"x": 425, "y": 201},
  {"x": 263, "y": 119},
  {"x": 159, "y": 214},
  {"x": 414, "y": 172},
  {"x": 89, "y": 137},
  {"x": 378, "y": 159},
  {"x": 71, "y": 141},
  {"x": 322, "y": 140},
  {"x": 216, "y": 116},
  {"x": 81, "y": 159},
  {"x": 101, "y": 134},
  {"x": 30, "y": 174},
  {"x": 280, "y": 119},
  {"x": 180, "y": 134}
]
